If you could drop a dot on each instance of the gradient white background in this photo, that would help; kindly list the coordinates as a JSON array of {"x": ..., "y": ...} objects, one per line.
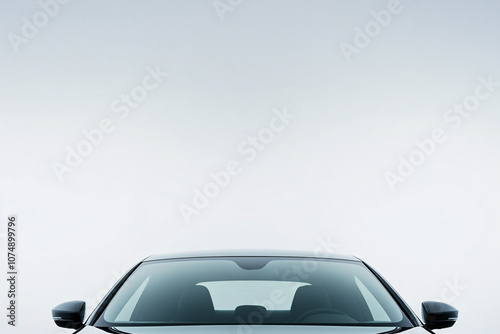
[{"x": 321, "y": 178}]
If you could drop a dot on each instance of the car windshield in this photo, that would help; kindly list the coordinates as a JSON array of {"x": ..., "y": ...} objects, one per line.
[{"x": 252, "y": 290}]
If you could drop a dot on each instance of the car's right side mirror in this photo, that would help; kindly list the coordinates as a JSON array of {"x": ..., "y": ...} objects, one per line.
[{"x": 437, "y": 315}]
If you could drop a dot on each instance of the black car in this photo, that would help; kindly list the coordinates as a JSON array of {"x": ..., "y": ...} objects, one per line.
[{"x": 247, "y": 292}]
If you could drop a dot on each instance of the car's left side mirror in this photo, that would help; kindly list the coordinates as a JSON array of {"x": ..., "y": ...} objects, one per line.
[
  {"x": 437, "y": 315},
  {"x": 69, "y": 315}
]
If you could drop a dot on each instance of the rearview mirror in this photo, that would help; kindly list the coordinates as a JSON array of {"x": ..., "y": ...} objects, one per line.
[
  {"x": 69, "y": 315},
  {"x": 438, "y": 315}
]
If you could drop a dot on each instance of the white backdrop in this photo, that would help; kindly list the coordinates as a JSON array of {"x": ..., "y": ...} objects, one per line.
[{"x": 361, "y": 127}]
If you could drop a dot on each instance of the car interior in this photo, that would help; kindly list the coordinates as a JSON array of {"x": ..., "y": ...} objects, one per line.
[
  {"x": 193, "y": 304},
  {"x": 188, "y": 298}
]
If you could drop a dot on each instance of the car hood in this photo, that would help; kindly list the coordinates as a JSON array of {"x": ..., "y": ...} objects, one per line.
[{"x": 253, "y": 329}]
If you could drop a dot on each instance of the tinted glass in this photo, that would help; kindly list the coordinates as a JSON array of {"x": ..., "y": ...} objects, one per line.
[{"x": 252, "y": 290}]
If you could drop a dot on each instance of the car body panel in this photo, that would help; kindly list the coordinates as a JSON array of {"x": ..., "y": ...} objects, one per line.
[
  {"x": 252, "y": 328},
  {"x": 252, "y": 252},
  {"x": 255, "y": 329}
]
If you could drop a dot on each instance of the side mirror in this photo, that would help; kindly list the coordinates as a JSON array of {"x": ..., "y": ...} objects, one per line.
[
  {"x": 438, "y": 315},
  {"x": 69, "y": 315}
]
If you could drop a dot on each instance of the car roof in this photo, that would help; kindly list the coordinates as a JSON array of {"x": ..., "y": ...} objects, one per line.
[{"x": 251, "y": 252}]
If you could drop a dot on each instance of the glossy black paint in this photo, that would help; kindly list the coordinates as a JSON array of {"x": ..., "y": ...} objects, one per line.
[
  {"x": 69, "y": 314},
  {"x": 435, "y": 315},
  {"x": 405, "y": 307},
  {"x": 438, "y": 315},
  {"x": 102, "y": 305}
]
